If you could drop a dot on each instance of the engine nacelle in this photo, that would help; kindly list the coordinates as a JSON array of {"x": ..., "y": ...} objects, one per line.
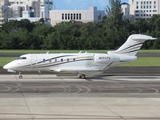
[{"x": 102, "y": 58}]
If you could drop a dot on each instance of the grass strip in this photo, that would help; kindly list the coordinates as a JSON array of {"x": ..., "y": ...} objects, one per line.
[
  {"x": 5, "y": 60},
  {"x": 142, "y": 61},
  {"x": 68, "y": 51}
]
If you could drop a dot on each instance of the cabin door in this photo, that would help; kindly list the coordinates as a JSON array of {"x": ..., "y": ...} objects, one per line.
[{"x": 34, "y": 62}]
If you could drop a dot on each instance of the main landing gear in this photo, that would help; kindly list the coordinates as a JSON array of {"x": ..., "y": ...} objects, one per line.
[
  {"x": 82, "y": 76},
  {"x": 20, "y": 75}
]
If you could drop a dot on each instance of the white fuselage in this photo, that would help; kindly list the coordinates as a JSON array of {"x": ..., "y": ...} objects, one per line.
[{"x": 67, "y": 62}]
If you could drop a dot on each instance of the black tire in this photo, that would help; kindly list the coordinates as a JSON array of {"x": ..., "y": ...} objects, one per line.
[
  {"x": 20, "y": 77},
  {"x": 82, "y": 76}
]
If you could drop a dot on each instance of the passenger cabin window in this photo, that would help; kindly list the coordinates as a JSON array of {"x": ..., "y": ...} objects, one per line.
[
  {"x": 61, "y": 60},
  {"x": 68, "y": 60}
]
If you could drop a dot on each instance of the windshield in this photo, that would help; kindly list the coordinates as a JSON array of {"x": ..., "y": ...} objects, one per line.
[{"x": 21, "y": 58}]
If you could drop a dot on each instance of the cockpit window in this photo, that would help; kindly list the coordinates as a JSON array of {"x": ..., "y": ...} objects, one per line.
[
  {"x": 18, "y": 58},
  {"x": 21, "y": 58}
]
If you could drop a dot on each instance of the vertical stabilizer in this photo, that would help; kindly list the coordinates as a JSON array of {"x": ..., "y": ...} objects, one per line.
[{"x": 132, "y": 45}]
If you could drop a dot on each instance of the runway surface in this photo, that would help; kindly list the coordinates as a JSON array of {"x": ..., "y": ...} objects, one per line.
[
  {"x": 71, "y": 84},
  {"x": 115, "y": 71},
  {"x": 52, "y": 97}
]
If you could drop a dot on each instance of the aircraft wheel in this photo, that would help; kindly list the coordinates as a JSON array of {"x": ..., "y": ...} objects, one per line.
[
  {"x": 82, "y": 76},
  {"x": 20, "y": 77}
]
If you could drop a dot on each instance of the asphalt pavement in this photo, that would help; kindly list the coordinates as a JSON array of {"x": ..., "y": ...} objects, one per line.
[
  {"x": 51, "y": 97},
  {"x": 115, "y": 71}
]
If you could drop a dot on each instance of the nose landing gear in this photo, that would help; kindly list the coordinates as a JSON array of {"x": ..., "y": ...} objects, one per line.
[
  {"x": 20, "y": 75},
  {"x": 82, "y": 76}
]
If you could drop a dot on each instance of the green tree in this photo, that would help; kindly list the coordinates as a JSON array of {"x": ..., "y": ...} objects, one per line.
[
  {"x": 114, "y": 15},
  {"x": 114, "y": 25},
  {"x": 141, "y": 25},
  {"x": 15, "y": 25},
  {"x": 19, "y": 40},
  {"x": 39, "y": 35},
  {"x": 5, "y": 40}
]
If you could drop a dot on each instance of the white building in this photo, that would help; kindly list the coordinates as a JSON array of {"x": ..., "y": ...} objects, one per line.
[
  {"x": 126, "y": 12},
  {"x": 3, "y": 11},
  {"x": 14, "y": 9},
  {"x": 39, "y": 8},
  {"x": 45, "y": 7},
  {"x": 18, "y": 6},
  {"x": 91, "y": 15},
  {"x": 25, "y": 15},
  {"x": 144, "y": 8},
  {"x": 125, "y": 9}
]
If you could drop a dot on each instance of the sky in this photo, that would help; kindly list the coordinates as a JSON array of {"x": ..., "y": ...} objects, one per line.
[{"x": 81, "y": 4}]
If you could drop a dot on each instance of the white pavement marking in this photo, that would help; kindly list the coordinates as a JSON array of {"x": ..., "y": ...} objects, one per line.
[{"x": 132, "y": 78}]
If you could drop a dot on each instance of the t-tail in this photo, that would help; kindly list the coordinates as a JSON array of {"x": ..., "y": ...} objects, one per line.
[{"x": 132, "y": 45}]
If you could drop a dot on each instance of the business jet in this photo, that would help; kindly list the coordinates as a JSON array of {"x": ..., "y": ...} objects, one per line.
[{"x": 81, "y": 63}]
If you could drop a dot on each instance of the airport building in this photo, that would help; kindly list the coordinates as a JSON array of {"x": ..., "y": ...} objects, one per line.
[
  {"x": 144, "y": 8},
  {"x": 91, "y": 15}
]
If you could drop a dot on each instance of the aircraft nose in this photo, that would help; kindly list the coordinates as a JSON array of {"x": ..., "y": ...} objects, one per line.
[
  {"x": 8, "y": 66},
  {"x": 11, "y": 65},
  {"x": 5, "y": 67}
]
